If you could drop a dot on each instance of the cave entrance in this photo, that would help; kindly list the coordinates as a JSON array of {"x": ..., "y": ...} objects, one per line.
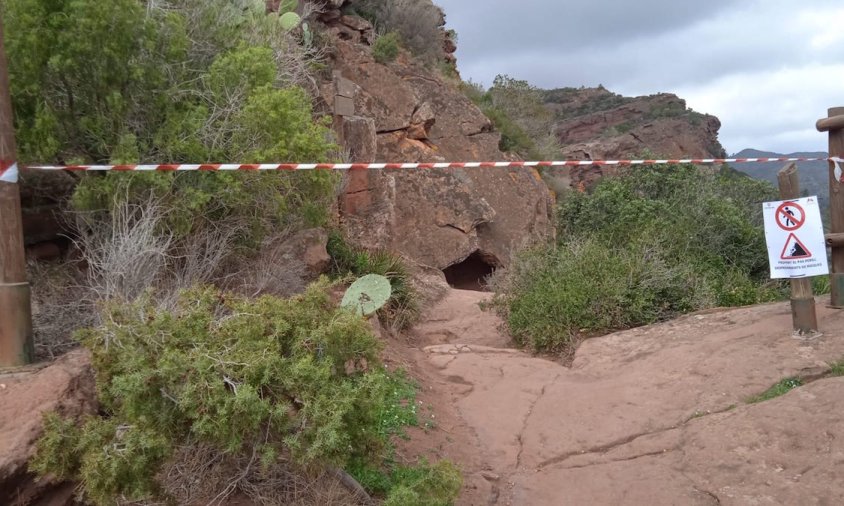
[{"x": 470, "y": 274}]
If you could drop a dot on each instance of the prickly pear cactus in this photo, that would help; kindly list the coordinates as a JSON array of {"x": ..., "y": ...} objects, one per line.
[
  {"x": 368, "y": 294},
  {"x": 289, "y": 21},
  {"x": 307, "y": 35}
]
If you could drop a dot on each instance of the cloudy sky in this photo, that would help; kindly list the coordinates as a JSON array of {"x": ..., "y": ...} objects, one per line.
[{"x": 767, "y": 68}]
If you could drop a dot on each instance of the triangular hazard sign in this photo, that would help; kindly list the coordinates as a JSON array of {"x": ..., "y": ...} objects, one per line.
[{"x": 794, "y": 249}]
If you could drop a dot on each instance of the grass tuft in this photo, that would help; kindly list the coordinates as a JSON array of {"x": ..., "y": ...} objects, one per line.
[{"x": 781, "y": 388}]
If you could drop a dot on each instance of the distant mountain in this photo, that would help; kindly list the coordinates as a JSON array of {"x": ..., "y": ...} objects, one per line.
[{"x": 814, "y": 176}]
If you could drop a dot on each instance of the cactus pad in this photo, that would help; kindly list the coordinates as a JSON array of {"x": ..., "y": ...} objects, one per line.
[
  {"x": 368, "y": 294},
  {"x": 289, "y": 21}
]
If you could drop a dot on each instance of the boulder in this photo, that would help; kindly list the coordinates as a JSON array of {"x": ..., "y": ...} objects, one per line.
[
  {"x": 359, "y": 136},
  {"x": 421, "y": 122},
  {"x": 307, "y": 247},
  {"x": 67, "y": 387},
  {"x": 284, "y": 266}
]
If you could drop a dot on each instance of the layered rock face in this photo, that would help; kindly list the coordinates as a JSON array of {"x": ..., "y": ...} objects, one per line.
[
  {"x": 402, "y": 112},
  {"x": 598, "y": 124}
]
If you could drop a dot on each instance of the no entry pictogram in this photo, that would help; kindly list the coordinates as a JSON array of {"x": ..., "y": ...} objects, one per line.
[{"x": 790, "y": 216}]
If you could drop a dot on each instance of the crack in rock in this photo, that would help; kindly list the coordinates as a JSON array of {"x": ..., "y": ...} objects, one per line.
[
  {"x": 710, "y": 494},
  {"x": 602, "y": 449},
  {"x": 392, "y": 130},
  {"x": 527, "y": 419},
  {"x": 365, "y": 190},
  {"x": 625, "y": 459},
  {"x": 455, "y": 227}
]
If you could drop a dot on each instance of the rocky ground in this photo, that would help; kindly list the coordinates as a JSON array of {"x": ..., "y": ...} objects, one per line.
[
  {"x": 656, "y": 415},
  {"x": 650, "y": 416}
]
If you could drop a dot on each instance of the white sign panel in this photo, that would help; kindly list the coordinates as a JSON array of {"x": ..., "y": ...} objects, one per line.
[{"x": 796, "y": 243}]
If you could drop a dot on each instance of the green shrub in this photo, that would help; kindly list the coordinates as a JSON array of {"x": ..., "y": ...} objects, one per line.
[
  {"x": 554, "y": 296},
  {"x": 642, "y": 247},
  {"x": 198, "y": 81},
  {"x": 836, "y": 369},
  {"x": 386, "y": 47},
  {"x": 402, "y": 310},
  {"x": 424, "y": 485},
  {"x": 268, "y": 378},
  {"x": 420, "y": 485},
  {"x": 781, "y": 388}
]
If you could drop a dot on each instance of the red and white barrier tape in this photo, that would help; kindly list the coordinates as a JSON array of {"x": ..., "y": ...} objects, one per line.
[{"x": 8, "y": 172}]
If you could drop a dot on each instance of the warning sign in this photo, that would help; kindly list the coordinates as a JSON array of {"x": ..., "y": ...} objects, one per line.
[
  {"x": 796, "y": 244},
  {"x": 794, "y": 249}
]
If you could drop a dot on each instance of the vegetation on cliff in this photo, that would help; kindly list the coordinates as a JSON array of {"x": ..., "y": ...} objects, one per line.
[
  {"x": 202, "y": 391},
  {"x": 180, "y": 82},
  {"x": 417, "y": 23},
  {"x": 516, "y": 109},
  {"x": 642, "y": 247}
]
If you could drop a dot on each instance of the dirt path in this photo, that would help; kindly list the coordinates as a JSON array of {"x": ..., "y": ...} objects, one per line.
[{"x": 650, "y": 416}]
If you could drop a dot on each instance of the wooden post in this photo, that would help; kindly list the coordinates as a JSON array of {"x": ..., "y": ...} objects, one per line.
[
  {"x": 834, "y": 124},
  {"x": 15, "y": 314},
  {"x": 802, "y": 300}
]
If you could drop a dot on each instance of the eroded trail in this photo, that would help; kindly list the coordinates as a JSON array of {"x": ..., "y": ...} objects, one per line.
[{"x": 655, "y": 415}]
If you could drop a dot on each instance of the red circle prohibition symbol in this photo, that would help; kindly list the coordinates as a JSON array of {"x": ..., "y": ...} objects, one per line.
[{"x": 786, "y": 218}]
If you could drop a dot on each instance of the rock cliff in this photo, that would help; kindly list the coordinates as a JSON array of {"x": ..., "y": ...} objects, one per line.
[
  {"x": 403, "y": 111},
  {"x": 598, "y": 124}
]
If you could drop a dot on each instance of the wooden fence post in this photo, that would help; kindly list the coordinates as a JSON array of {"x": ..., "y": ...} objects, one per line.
[
  {"x": 834, "y": 124},
  {"x": 15, "y": 311},
  {"x": 803, "y": 313}
]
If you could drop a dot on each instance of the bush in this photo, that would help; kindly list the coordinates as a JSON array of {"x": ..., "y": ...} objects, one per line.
[
  {"x": 191, "y": 81},
  {"x": 402, "y": 310},
  {"x": 122, "y": 81},
  {"x": 436, "y": 485},
  {"x": 418, "y": 23},
  {"x": 420, "y": 485},
  {"x": 642, "y": 247},
  {"x": 553, "y": 297},
  {"x": 274, "y": 381},
  {"x": 386, "y": 47},
  {"x": 517, "y": 111}
]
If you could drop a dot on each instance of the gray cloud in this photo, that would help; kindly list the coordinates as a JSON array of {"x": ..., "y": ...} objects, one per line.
[{"x": 767, "y": 68}]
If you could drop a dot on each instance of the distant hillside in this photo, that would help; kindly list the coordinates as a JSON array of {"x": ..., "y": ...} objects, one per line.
[
  {"x": 814, "y": 176},
  {"x": 597, "y": 123}
]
